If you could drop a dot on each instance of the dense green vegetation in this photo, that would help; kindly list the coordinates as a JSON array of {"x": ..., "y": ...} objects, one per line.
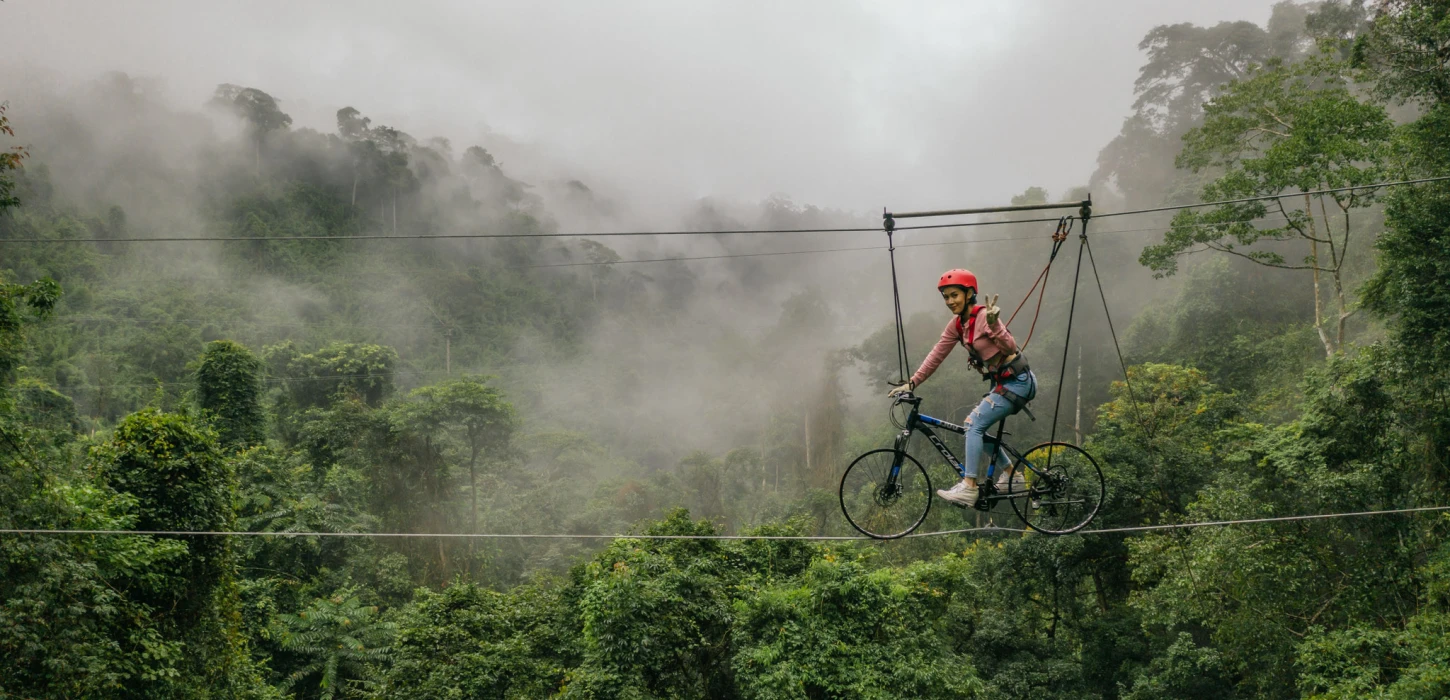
[{"x": 301, "y": 385}]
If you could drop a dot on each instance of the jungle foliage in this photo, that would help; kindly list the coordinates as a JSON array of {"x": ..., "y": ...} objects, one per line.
[{"x": 302, "y": 387}]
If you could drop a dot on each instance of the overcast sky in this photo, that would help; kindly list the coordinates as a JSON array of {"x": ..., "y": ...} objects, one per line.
[{"x": 855, "y": 105}]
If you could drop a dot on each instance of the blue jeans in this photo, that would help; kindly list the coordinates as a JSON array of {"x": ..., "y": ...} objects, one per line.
[{"x": 994, "y": 407}]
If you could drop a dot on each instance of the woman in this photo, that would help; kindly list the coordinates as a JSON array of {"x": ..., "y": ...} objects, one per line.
[{"x": 994, "y": 353}]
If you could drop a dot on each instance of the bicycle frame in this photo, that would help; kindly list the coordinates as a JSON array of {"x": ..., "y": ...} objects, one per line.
[{"x": 919, "y": 422}]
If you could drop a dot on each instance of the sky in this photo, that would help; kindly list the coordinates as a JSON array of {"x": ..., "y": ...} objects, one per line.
[{"x": 852, "y": 105}]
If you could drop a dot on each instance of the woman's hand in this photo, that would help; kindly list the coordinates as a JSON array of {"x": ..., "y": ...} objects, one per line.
[
  {"x": 903, "y": 389},
  {"x": 992, "y": 311}
]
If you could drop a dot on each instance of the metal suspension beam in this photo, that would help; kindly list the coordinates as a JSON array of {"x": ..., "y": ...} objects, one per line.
[{"x": 1086, "y": 203}]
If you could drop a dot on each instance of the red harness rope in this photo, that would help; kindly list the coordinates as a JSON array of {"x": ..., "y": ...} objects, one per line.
[{"x": 1064, "y": 226}]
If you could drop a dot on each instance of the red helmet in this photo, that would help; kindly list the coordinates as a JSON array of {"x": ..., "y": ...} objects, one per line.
[{"x": 961, "y": 278}]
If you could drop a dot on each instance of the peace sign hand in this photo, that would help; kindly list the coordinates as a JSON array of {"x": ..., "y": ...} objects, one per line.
[{"x": 992, "y": 311}]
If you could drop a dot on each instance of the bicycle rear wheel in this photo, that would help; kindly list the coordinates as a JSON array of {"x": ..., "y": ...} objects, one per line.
[
  {"x": 880, "y": 506},
  {"x": 1060, "y": 498}
]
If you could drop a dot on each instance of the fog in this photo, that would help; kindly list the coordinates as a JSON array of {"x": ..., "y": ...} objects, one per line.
[
  {"x": 849, "y": 105},
  {"x": 617, "y": 116}
]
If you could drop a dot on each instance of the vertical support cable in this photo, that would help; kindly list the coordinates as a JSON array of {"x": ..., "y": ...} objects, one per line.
[
  {"x": 1067, "y": 341},
  {"x": 888, "y": 222},
  {"x": 1085, "y": 214}
]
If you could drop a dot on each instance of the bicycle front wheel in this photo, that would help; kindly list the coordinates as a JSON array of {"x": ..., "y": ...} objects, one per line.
[
  {"x": 1056, "y": 488},
  {"x": 885, "y": 494}
]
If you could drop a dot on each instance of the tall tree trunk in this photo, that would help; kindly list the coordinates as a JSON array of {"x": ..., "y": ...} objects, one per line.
[
  {"x": 1077, "y": 412},
  {"x": 809, "y": 472},
  {"x": 1344, "y": 312},
  {"x": 354, "y": 188},
  {"x": 473, "y": 512},
  {"x": 1314, "y": 268}
]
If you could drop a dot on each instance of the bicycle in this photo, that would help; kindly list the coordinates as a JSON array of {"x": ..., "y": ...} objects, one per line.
[{"x": 1055, "y": 488}]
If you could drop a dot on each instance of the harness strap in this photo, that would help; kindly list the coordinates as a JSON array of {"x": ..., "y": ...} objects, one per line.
[
  {"x": 1017, "y": 367},
  {"x": 1064, "y": 227},
  {"x": 1018, "y": 402}
]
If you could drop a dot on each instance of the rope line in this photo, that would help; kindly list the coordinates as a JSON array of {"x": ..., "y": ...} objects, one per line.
[
  {"x": 464, "y": 535},
  {"x": 1250, "y": 521},
  {"x": 1279, "y": 196},
  {"x": 446, "y": 236},
  {"x": 833, "y": 538},
  {"x": 1064, "y": 226},
  {"x": 602, "y": 234},
  {"x": 686, "y": 258}
]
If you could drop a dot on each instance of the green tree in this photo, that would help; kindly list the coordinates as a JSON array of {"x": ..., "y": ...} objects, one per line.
[
  {"x": 477, "y": 414},
  {"x": 1185, "y": 64},
  {"x": 39, "y": 298},
  {"x": 229, "y": 390},
  {"x": 257, "y": 109},
  {"x": 468, "y": 641},
  {"x": 1405, "y": 54},
  {"x": 1285, "y": 128},
  {"x": 336, "y": 371},
  {"x": 9, "y": 163},
  {"x": 1407, "y": 50},
  {"x": 340, "y": 638},
  {"x": 172, "y": 467},
  {"x": 1258, "y": 591},
  {"x": 173, "y": 470},
  {"x": 842, "y": 630}
]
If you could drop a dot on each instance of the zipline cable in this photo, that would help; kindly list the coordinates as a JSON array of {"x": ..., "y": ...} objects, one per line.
[
  {"x": 1252, "y": 521},
  {"x": 447, "y": 236},
  {"x": 1279, "y": 196},
  {"x": 1058, "y": 237},
  {"x": 601, "y": 234},
  {"x": 937, "y": 533},
  {"x": 462, "y": 535}
]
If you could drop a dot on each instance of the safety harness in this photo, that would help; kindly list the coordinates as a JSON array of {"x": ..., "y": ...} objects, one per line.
[{"x": 997, "y": 375}]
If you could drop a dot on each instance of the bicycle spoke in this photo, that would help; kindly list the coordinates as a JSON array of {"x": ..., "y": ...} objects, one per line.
[
  {"x": 1063, "y": 498},
  {"x": 879, "y": 506}
]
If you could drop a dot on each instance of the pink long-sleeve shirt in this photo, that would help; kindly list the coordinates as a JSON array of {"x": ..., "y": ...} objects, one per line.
[{"x": 987, "y": 340}]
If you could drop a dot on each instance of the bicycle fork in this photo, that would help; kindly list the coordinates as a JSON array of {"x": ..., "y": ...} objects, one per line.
[{"x": 892, "y": 487}]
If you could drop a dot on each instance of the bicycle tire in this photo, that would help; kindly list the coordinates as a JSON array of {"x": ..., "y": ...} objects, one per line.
[
  {"x": 1067, "y": 504},
  {"x": 877, "y": 514}
]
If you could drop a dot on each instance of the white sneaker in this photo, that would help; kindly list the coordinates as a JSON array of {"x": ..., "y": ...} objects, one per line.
[
  {"x": 963, "y": 493},
  {"x": 1015, "y": 480}
]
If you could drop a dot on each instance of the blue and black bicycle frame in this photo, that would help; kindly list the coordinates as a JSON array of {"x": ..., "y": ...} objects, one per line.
[{"x": 920, "y": 422}]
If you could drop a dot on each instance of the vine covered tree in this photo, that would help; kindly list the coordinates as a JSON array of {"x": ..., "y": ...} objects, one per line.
[
  {"x": 172, "y": 470},
  {"x": 1286, "y": 129},
  {"x": 229, "y": 390}
]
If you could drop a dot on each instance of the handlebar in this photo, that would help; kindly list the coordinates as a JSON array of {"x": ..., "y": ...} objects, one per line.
[{"x": 905, "y": 397}]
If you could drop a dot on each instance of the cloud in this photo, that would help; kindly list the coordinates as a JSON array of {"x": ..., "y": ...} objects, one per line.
[{"x": 857, "y": 105}]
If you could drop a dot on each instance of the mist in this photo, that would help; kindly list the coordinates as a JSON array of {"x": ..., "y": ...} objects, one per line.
[
  {"x": 642, "y": 118},
  {"x": 528, "y": 349},
  {"x": 853, "y": 106}
]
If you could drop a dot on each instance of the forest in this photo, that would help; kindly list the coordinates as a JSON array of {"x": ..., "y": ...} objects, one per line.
[{"x": 356, "y": 360}]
